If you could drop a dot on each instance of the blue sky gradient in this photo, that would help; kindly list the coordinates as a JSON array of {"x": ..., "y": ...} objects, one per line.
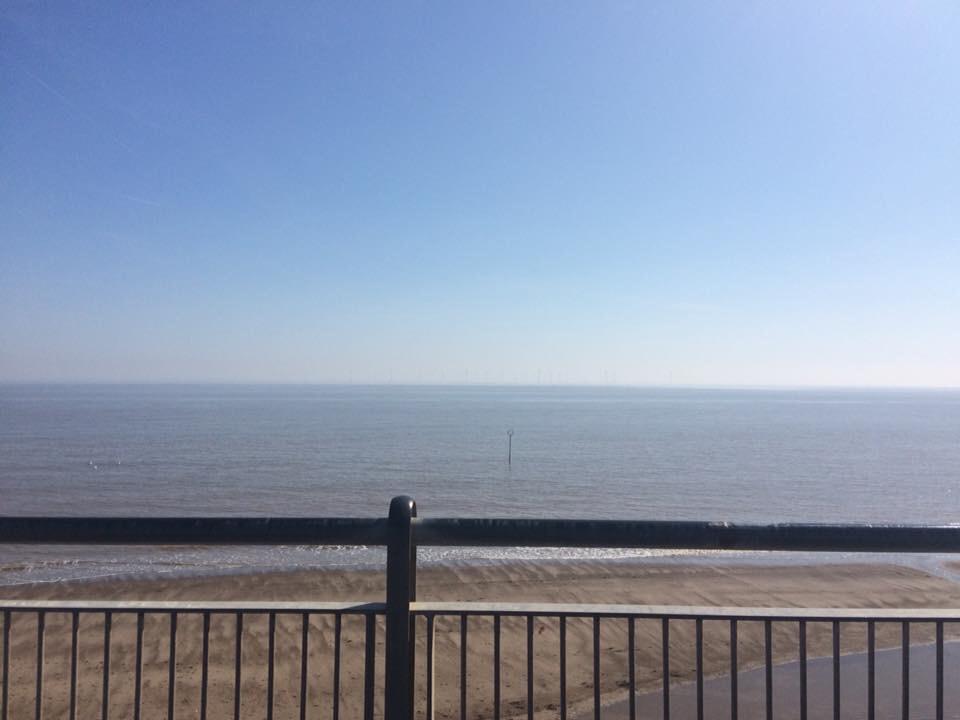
[{"x": 654, "y": 193}]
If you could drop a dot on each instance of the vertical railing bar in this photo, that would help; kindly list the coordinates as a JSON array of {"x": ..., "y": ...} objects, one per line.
[
  {"x": 204, "y": 666},
  {"x": 596, "y": 667},
  {"x": 370, "y": 666},
  {"x": 6, "y": 663},
  {"x": 836, "y": 670},
  {"x": 138, "y": 669},
  {"x": 413, "y": 653},
  {"x": 871, "y": 670},
  {"x": 699, "y": 642},
  {"x": 237, "y": 667},
  {"x": 401, "y": 591},
  {"x": 496, "y": 668},
  {"x": 172, "y": 670},
  {"x": 430, "y": 672},
  {"x": 304, "y": 656},
  {"x": 463, "y": 667},
  {"x": 563, "y": 667},
  {"x": 734, "y": 672},
  {"x": 74, "y": 652},
  {"x": 107, "y": 626},
  {"x": 939, "y": 670},
  {"x": 529, "y": 667},
  {"x": 768, "y": 666},
  {"x": 905, "y": 670},
  {"x": 271, "y": 651},
  {"x": 41, "y": 625},
  {"x": 665, "y": 631},
  {"x": 803, "y": 669},
  {"x": 337, "y": 629},
  {"x": 632, "y": 665}
]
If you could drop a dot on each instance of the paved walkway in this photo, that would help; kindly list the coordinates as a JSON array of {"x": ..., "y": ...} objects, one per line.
[{"x": 786, "y": 696}]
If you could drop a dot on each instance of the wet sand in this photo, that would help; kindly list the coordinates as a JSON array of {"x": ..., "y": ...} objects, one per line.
[{"x": 636, "y": 582}]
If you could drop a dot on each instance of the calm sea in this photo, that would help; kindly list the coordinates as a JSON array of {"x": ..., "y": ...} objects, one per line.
[{"x": 737, "y": 455}]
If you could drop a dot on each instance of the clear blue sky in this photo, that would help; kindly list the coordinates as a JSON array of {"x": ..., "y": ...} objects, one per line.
[{"x": 657, "y": 193}]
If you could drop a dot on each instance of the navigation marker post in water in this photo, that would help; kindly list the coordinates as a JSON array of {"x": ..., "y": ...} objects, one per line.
[{"x": 510, "y": 446}]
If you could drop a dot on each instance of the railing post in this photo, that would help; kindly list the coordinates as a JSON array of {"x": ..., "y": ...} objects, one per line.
[{"x": 401, "y": 590}]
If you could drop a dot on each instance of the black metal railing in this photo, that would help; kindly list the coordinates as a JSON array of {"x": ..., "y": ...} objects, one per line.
[
  {"x": 100, "y": 618},
  {"x": 404, "y": 694}
]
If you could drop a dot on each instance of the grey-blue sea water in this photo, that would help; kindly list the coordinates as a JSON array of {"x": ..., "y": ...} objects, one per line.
[{"x": 735, "y": 455}]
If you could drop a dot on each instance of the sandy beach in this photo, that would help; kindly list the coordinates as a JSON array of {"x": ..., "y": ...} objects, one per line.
[{"x": 828, "y": 585}]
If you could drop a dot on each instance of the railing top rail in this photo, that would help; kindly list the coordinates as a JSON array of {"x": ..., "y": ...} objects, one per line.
[
  {"x": 687, "y": 535},
  {"x": 347, "y": 607},
  {"x": 687, "y": 612},
  {"x": 674, "y": 612},
  {"x": 485, "y": 532},
  {"x": 192, "y": 531}
]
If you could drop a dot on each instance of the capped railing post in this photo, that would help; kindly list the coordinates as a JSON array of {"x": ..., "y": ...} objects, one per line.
[{"x": 401, "y": 591}]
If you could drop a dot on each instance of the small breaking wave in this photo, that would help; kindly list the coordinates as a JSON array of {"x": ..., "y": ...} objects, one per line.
[
  {"x": 49, "y": 565},
  {"x": 60, "y": 564}
]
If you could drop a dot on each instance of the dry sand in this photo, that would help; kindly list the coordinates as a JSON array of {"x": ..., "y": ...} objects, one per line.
[{"x": 576, "y": 582}]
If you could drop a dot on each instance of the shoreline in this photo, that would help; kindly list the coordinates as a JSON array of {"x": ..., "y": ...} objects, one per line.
[
  {"x": 164, "y": 570},
  {"x": 613, "y": 581},
  {"x": 525, "y": 577}
]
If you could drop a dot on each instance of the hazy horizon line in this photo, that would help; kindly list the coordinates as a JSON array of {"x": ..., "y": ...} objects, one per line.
[{"x": 637, "y": 386}]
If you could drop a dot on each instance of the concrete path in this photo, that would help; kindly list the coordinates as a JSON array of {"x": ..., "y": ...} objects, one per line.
[{"x": 786, "y": 694}]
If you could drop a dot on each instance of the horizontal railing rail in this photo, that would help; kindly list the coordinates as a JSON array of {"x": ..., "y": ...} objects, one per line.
[
  {"x": 252, "y": 607},
  {"x": 192, "y": 531},
  {"x": 401, "y": 614},
  {"x": 685, "y": 535},
  {"x": 483, "y": 532},
  {"x": 517, "y": 609},
  {"x": 688, "y": 612}
]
